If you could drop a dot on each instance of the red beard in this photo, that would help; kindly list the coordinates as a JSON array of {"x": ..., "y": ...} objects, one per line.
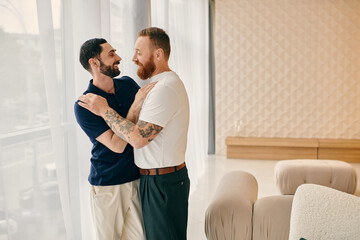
[{"x": 145, "y": 71}]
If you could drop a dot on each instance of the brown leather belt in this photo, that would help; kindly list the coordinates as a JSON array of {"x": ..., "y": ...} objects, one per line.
[{"x": 161, "y": 171}]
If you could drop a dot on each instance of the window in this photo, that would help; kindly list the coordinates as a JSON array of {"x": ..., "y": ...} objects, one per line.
[{"x": 29, "y": 194}]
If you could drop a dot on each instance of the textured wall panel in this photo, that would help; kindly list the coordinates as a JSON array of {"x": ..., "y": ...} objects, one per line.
[{"x": 287, "y": 68}]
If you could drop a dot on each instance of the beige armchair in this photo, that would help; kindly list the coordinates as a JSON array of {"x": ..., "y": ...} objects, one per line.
[
  {"x": 321, "y": 213},
  {"x": 236, "y": 213}
]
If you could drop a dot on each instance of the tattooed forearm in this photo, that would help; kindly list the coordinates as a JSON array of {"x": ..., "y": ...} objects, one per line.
[
  {"x": 112, "y": 126},
  {"x": 125, "y": 129},
  {"x": 148, "y": 130},
  {"x": 118, "y": 124},
  {"x": 157, "y": 129},
  {"x": 141, "y": 124},
  {"x": 113, "y": 117}
]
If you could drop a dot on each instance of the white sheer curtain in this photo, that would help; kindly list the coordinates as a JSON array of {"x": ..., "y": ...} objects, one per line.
[
  {"x": 37, "y": 194},
  {"x": 127, "y": 18},
  {"x": 72, "y": 164},
  {"x": 47, "y": 43},
  {"x": 60, "y": 98},
  {"x": 45, "y": 156},
  {"x": 90, "y": 19},
  {"x": 187, "y": 25}
]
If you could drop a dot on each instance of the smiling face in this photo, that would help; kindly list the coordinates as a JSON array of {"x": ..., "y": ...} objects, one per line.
[
  {"x": 144, "y": 58},
  {"x": 109, "y": 61}
]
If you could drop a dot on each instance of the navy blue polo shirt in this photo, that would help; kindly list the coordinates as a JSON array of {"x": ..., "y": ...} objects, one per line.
[{"x": 108, "y": 167}]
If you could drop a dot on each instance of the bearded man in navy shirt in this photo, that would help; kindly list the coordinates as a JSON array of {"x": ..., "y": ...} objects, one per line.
[{"x": 113, "y": 178}]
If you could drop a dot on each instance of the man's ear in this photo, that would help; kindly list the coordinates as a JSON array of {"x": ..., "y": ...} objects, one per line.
[
  {"x": 159, "y": 54},
  {"x": 94, "y": 63}
]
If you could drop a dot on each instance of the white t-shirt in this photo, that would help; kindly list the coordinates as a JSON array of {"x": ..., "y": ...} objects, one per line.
[{"x": 166, "y": 105}]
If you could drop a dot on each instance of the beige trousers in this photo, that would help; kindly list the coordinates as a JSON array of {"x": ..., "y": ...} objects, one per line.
[{"x": 116, "y": 212}]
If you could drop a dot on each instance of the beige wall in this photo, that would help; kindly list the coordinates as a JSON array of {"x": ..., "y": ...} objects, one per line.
[{"x": 287, "y": 68}]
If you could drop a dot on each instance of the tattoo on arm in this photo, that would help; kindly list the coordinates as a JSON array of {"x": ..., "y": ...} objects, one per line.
[
  {"x": 124, "y": 128},
  {"x": 148, "y": 130},
  {"x": 141, "y": 124},
  {"x": 118, "y": 124}
]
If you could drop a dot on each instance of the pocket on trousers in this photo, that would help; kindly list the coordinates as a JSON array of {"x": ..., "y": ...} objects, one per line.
[
  {"x": 102, "y": 193},
  {"x": 94, "y": 190}
]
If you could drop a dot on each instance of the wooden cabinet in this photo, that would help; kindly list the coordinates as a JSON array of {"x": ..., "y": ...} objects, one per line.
[{"x": 293, "y": 148}]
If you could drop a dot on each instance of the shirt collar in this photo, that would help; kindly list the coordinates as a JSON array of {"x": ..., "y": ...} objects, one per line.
[
  {"x": 94, "y": 89},
  {"x": 159, "y": 76},
  {"x": 116, "y": 85}
]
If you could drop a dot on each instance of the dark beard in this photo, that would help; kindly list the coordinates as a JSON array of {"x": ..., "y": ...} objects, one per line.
[
  {"x": 145, "y": 71},
  {"x": 109, "y": 70}
]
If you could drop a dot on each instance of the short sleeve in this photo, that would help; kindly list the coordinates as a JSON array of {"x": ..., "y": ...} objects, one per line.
[
  {"x": 159, "y": 106},
  {"x": 90, "y": 123}
]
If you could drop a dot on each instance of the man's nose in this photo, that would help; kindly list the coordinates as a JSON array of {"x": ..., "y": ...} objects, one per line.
[{"x": 118, "y": 58}]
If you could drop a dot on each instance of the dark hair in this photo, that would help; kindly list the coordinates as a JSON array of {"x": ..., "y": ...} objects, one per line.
[
  {"x": 158, "y": 38},
  {"x": 89, "y": 49}
]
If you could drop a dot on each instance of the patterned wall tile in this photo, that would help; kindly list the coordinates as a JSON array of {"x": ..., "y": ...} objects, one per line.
[{"x": 287, "y": 68}]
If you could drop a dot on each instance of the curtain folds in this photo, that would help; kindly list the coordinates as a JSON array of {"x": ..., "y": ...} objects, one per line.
[
  {"x": 127, "y": 18},
  {"x": 187, "y": 23},
  {"x": 93, "y": 20},
  {"x": 188, "y": 30},
  {"x": 62, "y": 123}
]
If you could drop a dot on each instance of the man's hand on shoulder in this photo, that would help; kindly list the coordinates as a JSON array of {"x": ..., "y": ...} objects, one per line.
[
  {"x": 140, "y": 96},
  {"x": 94, "y": 103}
]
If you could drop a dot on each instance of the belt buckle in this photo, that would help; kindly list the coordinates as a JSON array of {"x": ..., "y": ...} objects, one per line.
[{"x": 147, "y": 171}]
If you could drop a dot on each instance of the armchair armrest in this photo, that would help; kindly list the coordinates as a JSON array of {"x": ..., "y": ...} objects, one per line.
[
  {"x": 320, "y": 212},
  {"x": 229, "y": 215}
]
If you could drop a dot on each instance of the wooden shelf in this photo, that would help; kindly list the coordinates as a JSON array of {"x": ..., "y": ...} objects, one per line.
[
  {"x": 293, "y": 148},
  {"x": 342, "y": 149}
]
